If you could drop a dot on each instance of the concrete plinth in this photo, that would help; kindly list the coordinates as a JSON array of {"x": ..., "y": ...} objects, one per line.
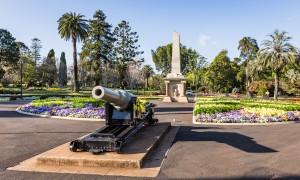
[
  {"x": 183, "y": 99},
  {"x": 135, "y": 152},
  {"x": 167, "y": 99}
]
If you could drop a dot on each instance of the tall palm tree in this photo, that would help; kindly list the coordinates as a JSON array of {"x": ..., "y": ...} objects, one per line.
[
  {"x": 276, "y": 54},
  {"x": 147, "y": 72},
  {"x": 73, "y": 26},
  {"x": 248, "y": 47}
]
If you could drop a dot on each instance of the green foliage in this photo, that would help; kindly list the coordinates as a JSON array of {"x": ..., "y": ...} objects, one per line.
[
  {"x": 212, "y": 105},
  {"x": 262, "y": 89},
  {"x": 125, "y": 48},
  {"x": 35, "y": 50},
  {"x": 147, "y": 71},
  {"x": 162, "y": 58},
  {"x": 9, "y": 91},
  {"x": 140, "y": 104},
  {"x": 75, "y": 102},
  {"x": 49, "y": 69},
  {"x": 98, "y": 46},
  {"x": 73, "y": 26},
  {"x": 9, "y": 52},
  {"x": 220, "y": 73},
  {"x": 62, "y": 72},
  {"x": 276, "y": 54}
]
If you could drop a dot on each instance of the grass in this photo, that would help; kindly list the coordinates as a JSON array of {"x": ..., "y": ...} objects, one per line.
[{"x": 67, "y": 92}]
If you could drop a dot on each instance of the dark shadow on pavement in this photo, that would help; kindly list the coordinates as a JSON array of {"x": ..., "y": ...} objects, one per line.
[
  {"x": 12, "y": 114},
  {"x": 236, "y": 140},
  {"x": 172, "y": 109},
  {"x": 46, "y": 133}
]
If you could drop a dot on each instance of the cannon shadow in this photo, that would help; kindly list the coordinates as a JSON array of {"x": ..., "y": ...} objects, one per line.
[{"x": 236, "y": 140}]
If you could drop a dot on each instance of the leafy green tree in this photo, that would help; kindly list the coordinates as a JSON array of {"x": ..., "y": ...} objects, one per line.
[
  {"x": 29, "y": 71},
  {"x": 162, "y": 58},
  {"x": 98, "y": 45},
  {"x": 220, "y": 72},
  {"x": 29, "y": 74},
  {"x": 248, "y": 48},
  {"x": 125, "y": 48},
  {"x": 147, "y": 72},
  {"x": 73, "y": 26},
  {"x": 276, "y": 54},
  {"x": 36, "y": 47},
  {"x": 62, "y": 72},
  {"x": 9, "y": 52}
]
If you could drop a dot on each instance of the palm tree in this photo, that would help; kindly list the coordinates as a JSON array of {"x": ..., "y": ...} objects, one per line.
[
  {"x": 248, "y": 47},
  {"x": 73, "y": 26},
  {"x": 147, "y": 72},
  {"x": 276, "y": 54}
]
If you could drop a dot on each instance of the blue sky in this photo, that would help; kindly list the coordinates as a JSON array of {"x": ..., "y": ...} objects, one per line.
[{"x": 206, "y": 26}]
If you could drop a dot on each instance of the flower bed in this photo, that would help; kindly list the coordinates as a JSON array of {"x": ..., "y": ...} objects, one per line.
[
  {"x": 86, "y": 112},
  {"x": 67, "y": 107},
  {"x": 72, "y": 107},
  {"x": 225, "y": 110}
]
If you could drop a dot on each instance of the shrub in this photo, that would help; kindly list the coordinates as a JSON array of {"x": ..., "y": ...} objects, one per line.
[
  {"x": 235, "y": 90},
  {"x": 9, "y": 91},
  {"x": 5, "y": 81},
  {"x": 262, "y": 89}
]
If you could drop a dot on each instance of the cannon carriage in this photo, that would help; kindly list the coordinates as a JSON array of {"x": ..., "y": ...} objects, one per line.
[{"x": 124, "y": 118}]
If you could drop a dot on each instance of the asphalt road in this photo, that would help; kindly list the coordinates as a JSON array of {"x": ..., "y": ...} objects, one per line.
[{"x": 198, "y": 152}]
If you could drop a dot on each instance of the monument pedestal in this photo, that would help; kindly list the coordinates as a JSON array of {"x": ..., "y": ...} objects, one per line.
[
  {"x": 167, "y": 99},
  {"x": 175, "y": 88}
]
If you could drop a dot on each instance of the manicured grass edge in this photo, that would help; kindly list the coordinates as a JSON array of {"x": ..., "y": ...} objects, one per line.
[{"x": 58, "y": 117}]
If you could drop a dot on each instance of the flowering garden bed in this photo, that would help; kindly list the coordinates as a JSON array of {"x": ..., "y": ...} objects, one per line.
[
  {"x": 70, "y": 107},
  {"x": 225, "y": 110},
  {"x": 67, "y": 107}
]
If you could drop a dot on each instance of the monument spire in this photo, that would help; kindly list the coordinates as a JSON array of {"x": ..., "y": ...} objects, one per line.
[
  {"x": 175, "y": 81},
  {"x": 176, "y": 54}
]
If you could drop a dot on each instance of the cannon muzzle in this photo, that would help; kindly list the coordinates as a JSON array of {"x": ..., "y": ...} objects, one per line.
[{"x": 118, "y": 98}]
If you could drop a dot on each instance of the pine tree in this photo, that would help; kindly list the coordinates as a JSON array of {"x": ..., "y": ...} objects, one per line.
[
  {"x": 125, "y": 48},
  {"x": 62, "y": 73},
  {"x": 51, "y": 68},
  {"x": 98, "y": 45},
  {"x": 35, "y": 50}
]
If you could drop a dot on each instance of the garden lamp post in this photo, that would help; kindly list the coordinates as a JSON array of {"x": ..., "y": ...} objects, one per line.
[
  {"x": 196, "y": 74},
  {"x": 21, "y": 78}
]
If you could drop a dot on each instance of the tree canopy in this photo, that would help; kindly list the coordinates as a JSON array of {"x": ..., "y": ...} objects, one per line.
[
  {"x": 9, "y": 52},
  {"x": 162, "y": 58}
]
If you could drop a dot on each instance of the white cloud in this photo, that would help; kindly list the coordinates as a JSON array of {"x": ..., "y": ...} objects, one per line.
[{"x": 203, "y": 40}]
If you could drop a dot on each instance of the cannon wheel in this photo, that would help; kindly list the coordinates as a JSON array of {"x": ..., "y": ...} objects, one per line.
[{"x": 74, "y": 146}]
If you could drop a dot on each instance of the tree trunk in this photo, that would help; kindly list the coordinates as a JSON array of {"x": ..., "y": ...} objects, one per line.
[
  {"x": 276, "y": 85},
  {"x": 75, "y": 65},
  {"x": 147, "y": 83},
  {"x": 247, "y": 80}
]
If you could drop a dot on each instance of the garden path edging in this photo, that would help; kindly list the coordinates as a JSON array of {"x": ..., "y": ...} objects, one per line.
[
  {"x": 58, "y": 117},
  {"x": 245, "y": 124}
]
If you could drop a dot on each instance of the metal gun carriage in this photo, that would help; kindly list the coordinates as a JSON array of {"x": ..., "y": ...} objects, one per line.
[{"x": 124, "y": 118}]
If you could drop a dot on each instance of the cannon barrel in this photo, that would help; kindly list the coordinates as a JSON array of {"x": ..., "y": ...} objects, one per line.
[{"x": 118, "y": 98}]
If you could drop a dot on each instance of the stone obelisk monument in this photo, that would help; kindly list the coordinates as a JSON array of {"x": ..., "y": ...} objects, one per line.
[{"x": 175, "y": 81}]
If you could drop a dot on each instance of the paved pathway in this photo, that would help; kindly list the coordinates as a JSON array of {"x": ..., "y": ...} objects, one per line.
[{"x": 200, "y": 152}]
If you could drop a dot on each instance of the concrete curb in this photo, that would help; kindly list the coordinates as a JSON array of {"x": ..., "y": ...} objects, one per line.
[
  {"x": 244, "y": 124},
  {"x": 58, "y": 117}
]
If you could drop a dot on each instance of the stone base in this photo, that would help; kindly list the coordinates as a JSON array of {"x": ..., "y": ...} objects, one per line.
[
  {"x": 167, "y": 99},
  {"x": 130, "y": 163},
  {"x": 183, "y": 99}
]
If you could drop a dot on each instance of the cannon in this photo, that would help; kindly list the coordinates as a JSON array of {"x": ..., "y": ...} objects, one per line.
[{"x": 124, "y": 117}]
